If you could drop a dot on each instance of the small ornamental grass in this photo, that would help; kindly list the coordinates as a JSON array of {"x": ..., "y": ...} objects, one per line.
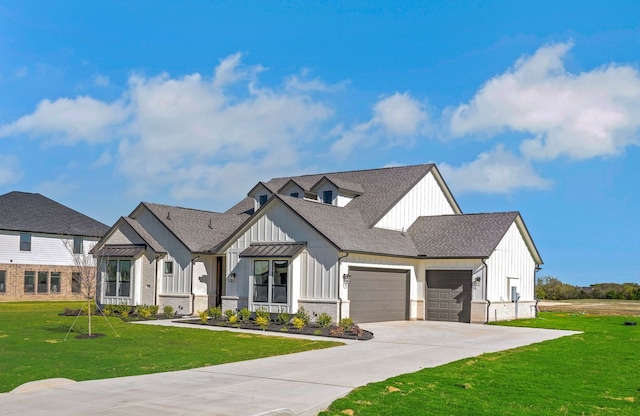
[
  {"x": 167, "y": 311},
  {"x": 324, "y": 320},
  {"x": 244, "y": 314},
  {"x": 262, "y": 322},
  {"x": 215, "y": 313},
  {"x": 298, "y": 323},
  {"x": 204, "y": 315}
]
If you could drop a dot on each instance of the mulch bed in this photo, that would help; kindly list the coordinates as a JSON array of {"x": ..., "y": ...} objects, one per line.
[{"x": 332, "y": 331}]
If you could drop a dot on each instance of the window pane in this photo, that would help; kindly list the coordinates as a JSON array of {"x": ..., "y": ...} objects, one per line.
[
  {"x": 327, "y": 197},
  {"x": 55, "y": 282},
  {"x": 261, "y": 285},
  {"x": 29, "y": 282},
  {"x": 168, "y": 267},
  {"x": 43, "y": 282},
  {"x": 295, "y": 194},
  {"x": 25, "y": 242},
  {"x": 263, "y": 199},
  {"x": 280, "y": 270},
  {"x": 112, "y": 277},
  {"x": 76, "y": 282},
  {"x": 3, "y": 281},
  {"x": 77, "y": 245},
  {"x": 125, "y": 277}
]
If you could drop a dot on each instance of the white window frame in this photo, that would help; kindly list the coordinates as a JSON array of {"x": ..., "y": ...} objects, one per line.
[{"x": 270, "y": 282}]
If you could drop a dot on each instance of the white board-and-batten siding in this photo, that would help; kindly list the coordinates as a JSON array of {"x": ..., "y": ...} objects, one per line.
[
  {"x": 511, "y": 264},
  {"x": 426, "y": 198},
  {"x": 318, "y": 262},
  {"x": 46, "y": 249}
]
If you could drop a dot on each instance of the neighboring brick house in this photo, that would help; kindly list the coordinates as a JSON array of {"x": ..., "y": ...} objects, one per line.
[{"x": 39, "y": 242}]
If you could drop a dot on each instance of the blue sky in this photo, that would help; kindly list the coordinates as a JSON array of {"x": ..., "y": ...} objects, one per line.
[{"x": 531, "y": 106}]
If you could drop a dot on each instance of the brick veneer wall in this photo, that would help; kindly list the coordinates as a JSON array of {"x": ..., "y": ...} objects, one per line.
[{"x": 14, "y": 291}]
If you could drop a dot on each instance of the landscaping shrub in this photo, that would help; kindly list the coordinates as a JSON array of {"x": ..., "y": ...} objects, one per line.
[
  {"x": 262, "y": 322},
  {"x": 336, "y": 331},
  {"x": 215, "y": 313},
  {"x": 204, "y": 315},
  {"x": 263, "y": 312},
  {"x": 244, "y": 314},
  {"x": 283, "y": 317},
  {"x": 345, "y": 323},
  {"x": 154, "y": 310},
  {"x": 298, "y": 323},
  {"x": 124, "y": 310},
  {"x": 232, "y": 319},
  {"x": 109, "y": 310},
  {"x": 303, "y": 315},
  {"x": 229, "y": 313},
  {"x": 324, "y": 320},
  {"x": 143, "y": 311},
  {"x": 167, "y": 311},
  {"x": 357, "y": 331}
]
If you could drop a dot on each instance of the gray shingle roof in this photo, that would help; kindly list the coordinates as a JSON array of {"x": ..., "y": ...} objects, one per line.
[
  {"x": 144, "y": 234},
  {"x": 347, "y": 230},
  {"x": 245, "y": 206},
  {"x": 29, "y": 212},
  {"x": 381, "y": 188},
  {"x": 460, "y": 236},
  {"x": 199, "y": 231}
]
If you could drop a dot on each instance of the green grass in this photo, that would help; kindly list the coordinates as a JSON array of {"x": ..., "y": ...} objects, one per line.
[
  {"x": 32, "y": 347},
  {"x": 594, "y": 373}
]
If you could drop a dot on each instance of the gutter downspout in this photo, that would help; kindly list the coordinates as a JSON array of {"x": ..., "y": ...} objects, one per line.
[
  {"x": 486, "y": 287},
  {"x": 193, "y": 295},
  {"x": 339, "y": 298}
]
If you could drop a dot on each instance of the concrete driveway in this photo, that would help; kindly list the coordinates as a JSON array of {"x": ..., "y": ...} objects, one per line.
[{"x": 301, "y": 384}]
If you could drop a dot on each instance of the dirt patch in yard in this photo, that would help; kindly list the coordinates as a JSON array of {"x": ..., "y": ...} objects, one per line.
[{"x": 592, "y": 306}]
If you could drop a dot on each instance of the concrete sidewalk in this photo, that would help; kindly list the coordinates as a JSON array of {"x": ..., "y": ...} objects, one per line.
[{"x": 301, "y": 384}]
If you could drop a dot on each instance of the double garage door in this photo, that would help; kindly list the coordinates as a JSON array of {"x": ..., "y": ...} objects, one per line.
[
  {"x": 378, "y": 295},
  {"x": 383, "y": 295},
  {"x": 449, "y": 295}
]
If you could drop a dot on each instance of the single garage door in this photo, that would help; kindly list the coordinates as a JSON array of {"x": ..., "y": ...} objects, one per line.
[
  {"x": 378, "y": 295},
  {"x": 449, "y": 295}
]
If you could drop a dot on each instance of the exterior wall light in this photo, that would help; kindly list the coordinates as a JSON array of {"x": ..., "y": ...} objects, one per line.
[
  {"x": 346, "y": 278},
  {"x": 231, "y": 277}
]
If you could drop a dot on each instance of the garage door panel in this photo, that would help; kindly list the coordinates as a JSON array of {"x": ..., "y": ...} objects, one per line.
[
  {"x": 378, "y": 295},
  {"x": 449, "y": 295}
]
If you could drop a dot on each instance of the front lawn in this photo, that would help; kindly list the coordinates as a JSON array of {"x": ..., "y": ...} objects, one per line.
[
  {"x": 32, "y": 347},
  {"x": 594, "y": 373}
]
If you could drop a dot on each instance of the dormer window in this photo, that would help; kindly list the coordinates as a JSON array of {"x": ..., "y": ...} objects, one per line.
[
  {"x": 295, "y": 194},
  {"x": 327, "y": 197},
  {"x": 262, "y": 200}
]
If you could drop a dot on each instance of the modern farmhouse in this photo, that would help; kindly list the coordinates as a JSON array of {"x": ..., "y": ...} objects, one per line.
[
  {"x": 373, "y": 245},
  {"x": 40, "y": 241}
]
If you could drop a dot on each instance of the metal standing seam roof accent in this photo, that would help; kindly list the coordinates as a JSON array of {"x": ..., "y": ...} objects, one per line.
[
  {"x": 120, "y": 251},
  {"x": 273, "y": 250}
]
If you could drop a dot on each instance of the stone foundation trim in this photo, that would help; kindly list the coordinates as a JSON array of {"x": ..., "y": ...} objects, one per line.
[
  {"x": 315, "y": 307},
  {"x": 479, "y": 311}
]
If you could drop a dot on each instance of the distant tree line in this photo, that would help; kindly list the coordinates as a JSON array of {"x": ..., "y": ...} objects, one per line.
[{"x": 553, "y": 289}]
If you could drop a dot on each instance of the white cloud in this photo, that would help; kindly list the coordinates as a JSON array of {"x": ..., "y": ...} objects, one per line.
[
  {"x": 576, "y": 115},
  {"x": 69, "y": 121},
  {"x": 104, "y": 160},
  {"x": 190, "y": 135},
  {"x": 101, "y": 80},
  {"x": 10, "y": 171},
  {"x": 498, "y": 171},
  {"x": 395, "y": 119}
]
